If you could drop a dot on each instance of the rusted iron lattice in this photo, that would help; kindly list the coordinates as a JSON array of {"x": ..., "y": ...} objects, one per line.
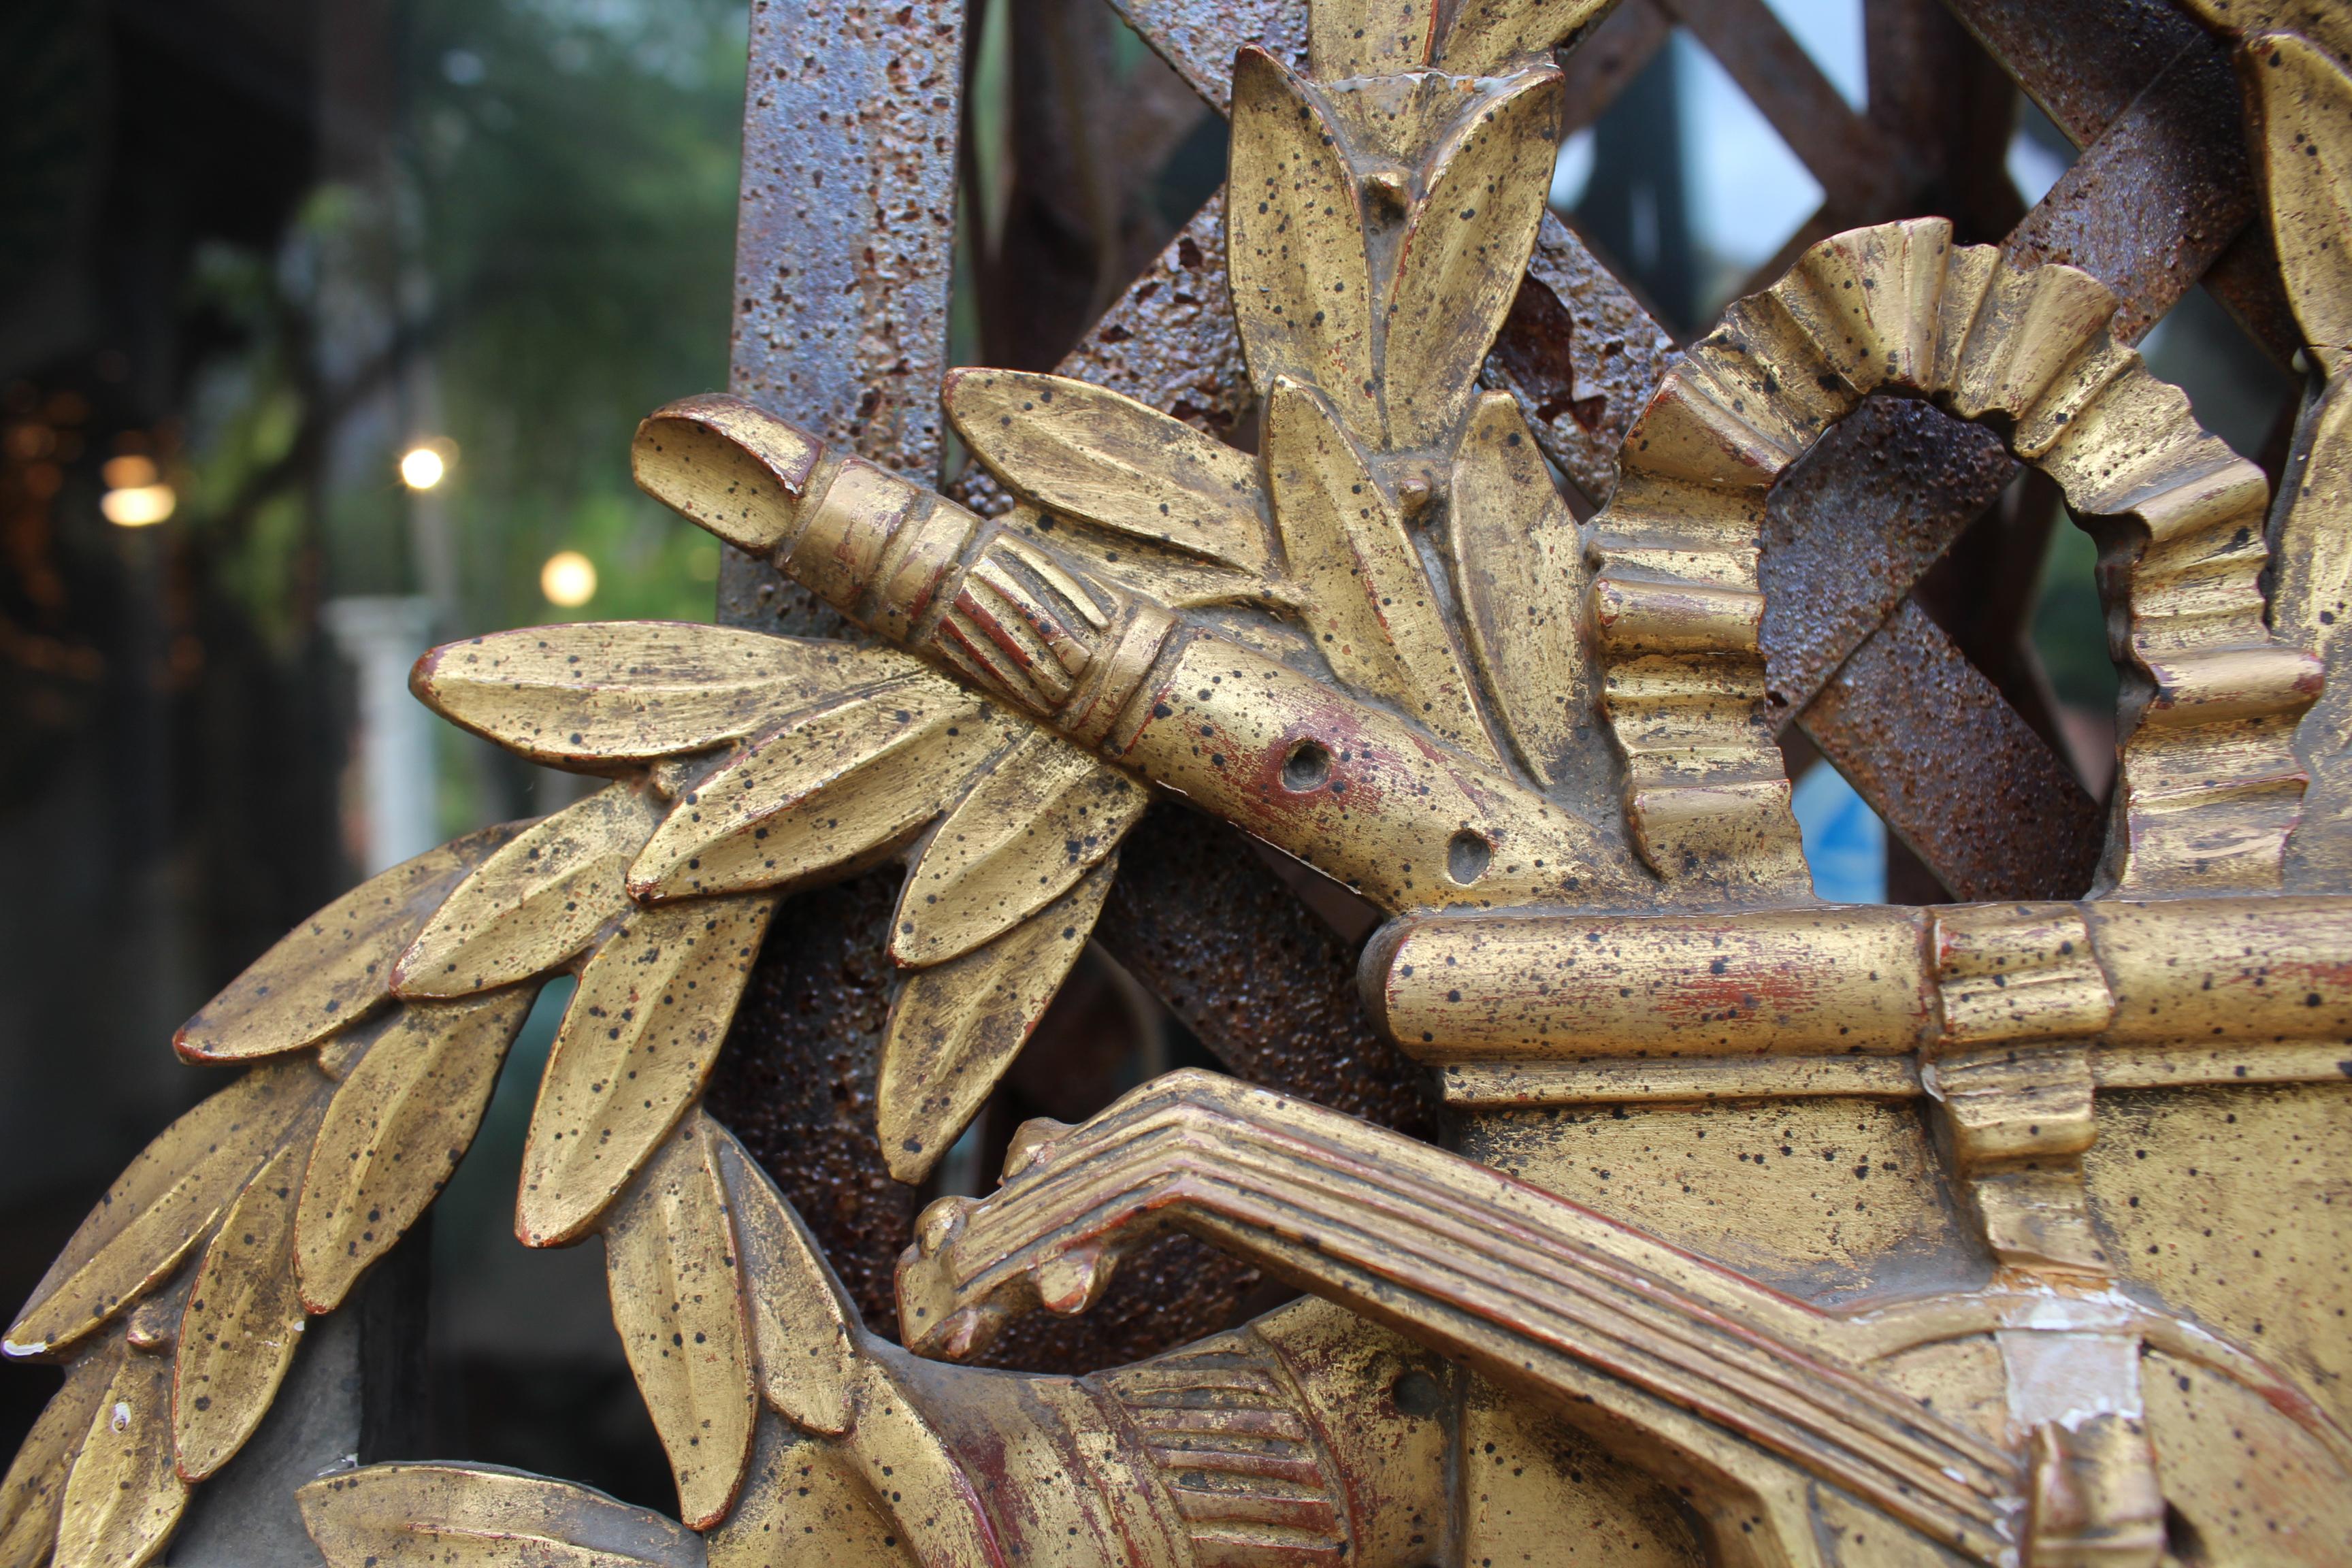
[
  {"x": 1260, "y": 693},
  {"x": 1949, "y": 740}
]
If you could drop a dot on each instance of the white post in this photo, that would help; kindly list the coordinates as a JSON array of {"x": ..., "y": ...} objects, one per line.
[{"x": 382, "y": 635}]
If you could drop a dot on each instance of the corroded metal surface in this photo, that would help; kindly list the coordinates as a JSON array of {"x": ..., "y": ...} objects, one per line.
[
  {"x": 1950, "y": 767},
  {"x": 1774, "y": 1231},
  {"x": 1852, "y": 527},
  {"x": 1264, "y": 985},
  {"x": 796, "y": 1082},
  {"x": 2157, "y": 198}
]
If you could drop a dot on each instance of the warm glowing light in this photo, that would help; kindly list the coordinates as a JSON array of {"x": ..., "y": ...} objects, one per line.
[
  {"x": 137, "y": 506},
  {"x": 569, "y": 579},
  {"x": 422, "y": 468},
  {"x": 129, "y": 472}
]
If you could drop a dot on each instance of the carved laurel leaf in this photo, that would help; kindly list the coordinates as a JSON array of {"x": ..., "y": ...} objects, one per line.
[
  {"x": 1088, "y": 452},
  {"x": 1370, "y": 604},
  {"x": 602, "y": 697},
  {"x": 160, "y": 1207},
  {"x": 803, "y": 1326},
  {"x": 957, "y": 1026},
  {"x": 1301, "y": 282},
  {"x": 33, "y": 1492},
  {"x": 826, "y": 793},
  {"x": 536, "y": 902},
  {"x": 1519, "y": 564},
  {"x": 637, "y": 1042},
  {"x": 472, "y": 1516},
  {"x": 670, "y": 1260},
  {"x": 123, "y": 1496},
  {"x": 331, "y": 969},
  {"x": 394, "y": 1131},
  {"x": 243, "y": 1323},
  {"x": 1464, "y": 256},
  {"x": 2304, "y": 132},
  {"x": 1043, "y": 816},
  {"x": 1488, "y": 37}
]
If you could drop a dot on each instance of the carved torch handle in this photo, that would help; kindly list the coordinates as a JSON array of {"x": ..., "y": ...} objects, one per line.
[{"x": 1347, "y": 788}]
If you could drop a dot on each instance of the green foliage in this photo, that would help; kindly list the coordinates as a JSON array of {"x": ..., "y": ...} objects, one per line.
[{"x": 574, "y": 164}]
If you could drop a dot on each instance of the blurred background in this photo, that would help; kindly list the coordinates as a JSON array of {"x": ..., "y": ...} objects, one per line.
[{"x": 323, "y": 327}]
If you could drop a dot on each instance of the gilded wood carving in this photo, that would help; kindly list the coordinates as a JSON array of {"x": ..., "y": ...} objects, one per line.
[{"x": 1986, "y": 1330}]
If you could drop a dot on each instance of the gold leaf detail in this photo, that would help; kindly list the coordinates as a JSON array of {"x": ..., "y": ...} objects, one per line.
[
  {"x": 33, "y": 1495},
  {"x": 243, "y": 1323},
  {"x": 734, "y": 468},
  {"x": 534, "y": 903},
  {"x": 1464, "y": 256},
  {"x": 803, "y": 1327},
  {"x": 1520, "y": 566},
  {"x": 394, "y": 1131},
  {"x": 1488, "y": 37},
  {"x": 1302, "y": 293},
  {"x": 450, "y": 1516},
  {"x": 1092, "y": 453},
  {"x": 331, "y": 969},
  {"x": 956, "y": 1026},
  {"x": 1368, "y": 38},
  {"x": 124, "y": 1497},
  {"x": 1370, "y": 604},
  {"x": 160, "y": 1207},
  {"x": 637, "y": 1041},
  {"x": 602, "y": 697},
  {"x": 669, "y": 1258},
  {"x": 829, "y": 792},
  {"x": 2304, "y": 135},
  {"x": 1043, "y": 816}
]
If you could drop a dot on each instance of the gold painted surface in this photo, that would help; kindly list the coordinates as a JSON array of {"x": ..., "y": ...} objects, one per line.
[
  {"x": 392, "y": 1133},
  {"x": 637, "y": 1041},
  {"x": 669, "y": 1258},
  {"x": 533, "y": 903},
  {"x": 244, "y": 1320},
  {"x": 1774, "y": 1233}
]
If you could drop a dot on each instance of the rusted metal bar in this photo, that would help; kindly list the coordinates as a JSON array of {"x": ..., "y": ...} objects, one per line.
[
  {"x": 1860, "y": 171},
  {"x": 1930, "y": 743},
  {"x": 2157, "y": 197},
  {"x": 2086, "y": 89},
  {"x": 2083, "y": 61},
  {"x": 1854, "y": 525},
  {"x": 844, "y": 243},
  {"x": 1580, "y": 354},
  {"x": 1615, "y": 52},
  {"x": 844, "y": 249},
  {"x": 1269, "y": 989},
  {"x": 796, "y": 1079}
]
